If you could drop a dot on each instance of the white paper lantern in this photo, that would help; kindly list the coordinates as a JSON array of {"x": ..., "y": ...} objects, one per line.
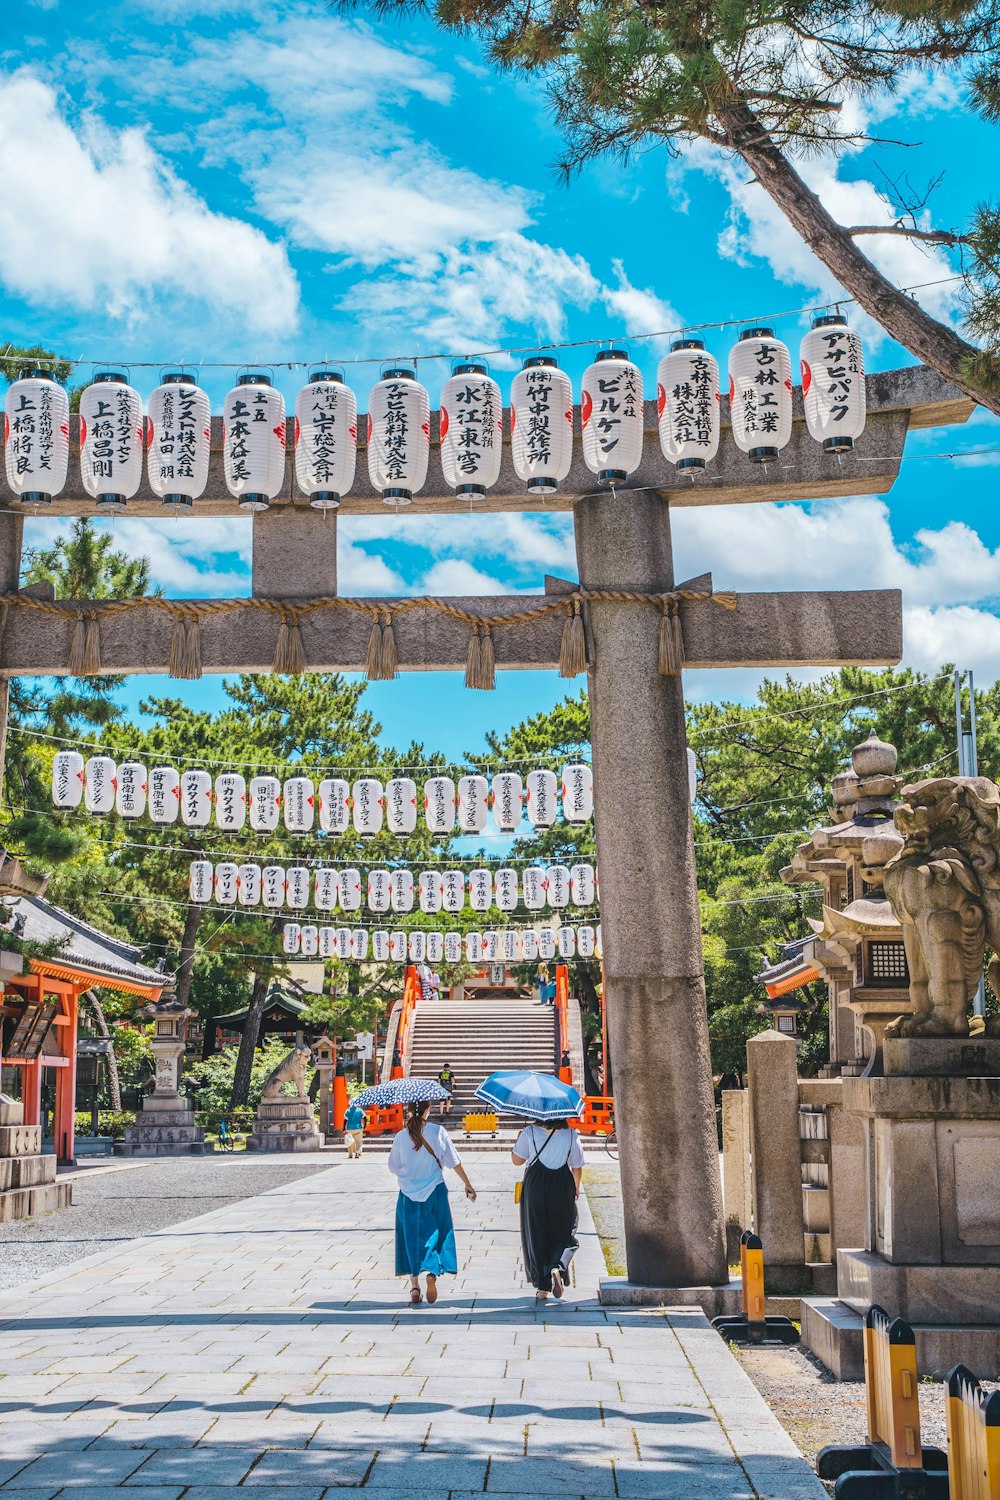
[
  {"x": 272, "y": 886},
  {"x": 760, "y": 395},
  {"x": 473, "y": 803},
  {"x": 398, "y": 946},
  {"x": 227, "y": 876},
  {"x": 130, "y": 793},
  {"x": 529, "y": 945},
  {"x": 326, "y": 885},
  {"x": 299, "y": 798},
  {"x": 326, "y": 439},
  {"x": 452, "y": 890},
  {"x": 473, "y": 947},
  {"x": 417, "y": 947},
  {"x": 566, "y": 938},
  {"x": 67, "y": 779},
  {"x": 196, "y": 799},
  {"x": 334, "y": 805},
  {"x": 452, "y": 947},
  {"x": 834, "y": 397},
  {"x": 505, "y": 800},
  {"x": 598, "y": 946},
  {"x": 380, "y": 945},
  {"x": 367, "y": 799},
  {"x": 111, "y": 432},
  {"x": 250, "y": 885},
  {"x": 310, "y": 940},
  {"x": 350, "y": 890},
  {"x": 264, "y": 803},
  {"x": 36, "y": 426},
  {"x": 578, "y": 792},
  {"x": 611, "y": 416},
  {"x": 505, "y": 889},
  {"x": 297, "y": 887},
  {"x": 379, "y": 890},
  {"x": 688, "y": 402},
  {"x": 471, "y": 420},
  {"x": 541, "y": 798},
  {"x": 582, "y": 885},
  {"x": 359, "y": 944},
  {"x": 178, "y": 438},
  {"x": 230, "y": 801},
  {"x": 692, "y": 765},
  {"x": 401, "y": 805},
  {"x": 200, "y": 880},
  {"x": 541, "y": 425},
  {"x": 342, "y": 943},
  {"x": 435, "y": 947},
  {"x": 291, "y": 937},
  {"x": 585, "y": 942},
  {"x": 491, "y": 947},
  {"x": 164, "y": 803},
  {"x": 510, "y": 945},
  {"x": 399, "y": 436},
  {"x": 253, "y": 441},
  {"x": 557, "y": 886},
  {"x": 100, "y": 782},
  {"x": 431, "y": 888},
  {"x": 480, "y": 889},
  {"x": 533, "y": 887},
  {"x": 439, "y": 804},
  {"x": 327, "y": 942},
  {"x": 401, "y": 890}
]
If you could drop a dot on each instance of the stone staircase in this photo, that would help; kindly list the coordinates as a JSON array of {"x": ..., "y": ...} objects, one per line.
[
  {"x": 479, "y": 1037},
  {"x": 28, "y": 1183}
]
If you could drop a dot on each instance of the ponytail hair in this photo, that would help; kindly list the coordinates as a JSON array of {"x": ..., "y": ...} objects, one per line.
[{"x": 416, "y": 1115}]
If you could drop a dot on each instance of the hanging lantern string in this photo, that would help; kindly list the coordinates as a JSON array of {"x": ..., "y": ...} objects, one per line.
[{"x": 511, "y": 351}]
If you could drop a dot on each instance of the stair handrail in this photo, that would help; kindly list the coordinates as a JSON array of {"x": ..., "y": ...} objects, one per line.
[
  {"x": 562, "y": 1017},
  {"x": 404, "y": 1035}
]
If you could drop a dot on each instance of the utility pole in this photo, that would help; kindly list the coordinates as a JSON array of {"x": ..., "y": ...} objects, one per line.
[{"x": 968, "y": 765}]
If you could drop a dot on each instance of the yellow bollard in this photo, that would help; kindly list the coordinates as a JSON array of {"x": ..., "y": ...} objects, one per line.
[
  {"x": 752, "y": 1277},
  {"x": 891, "y": 1388},
  {"x": 973, "y": 1438}
]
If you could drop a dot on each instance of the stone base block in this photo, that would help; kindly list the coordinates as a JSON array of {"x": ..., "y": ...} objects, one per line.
[
  {"x": 714, "y": 1301},
  {"x": 816, "y": 1210},
  {"x": 285, "y": 1125},
  {"x": 20, "y": 1140},
  {"x": 834, "y": 1333},
  {"x": 26, "y": 1202},
  {"x": 11, "y": 1110},
  {"x": 285, "y": 1109},
  {"x": 942, "y": 1057},
  {"x": 163, "y": 1132},
  {"x": 957, "y": 1295}
]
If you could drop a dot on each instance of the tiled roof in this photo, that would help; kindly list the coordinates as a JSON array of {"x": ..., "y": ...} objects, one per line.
[{"x": 39, "y": 921}]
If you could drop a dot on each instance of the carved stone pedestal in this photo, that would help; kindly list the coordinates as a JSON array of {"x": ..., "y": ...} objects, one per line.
[
  {"x": 285, "y": 1125},
  {"x": 28, "y": 1183},
  {"x": 165, "y": 1125}
]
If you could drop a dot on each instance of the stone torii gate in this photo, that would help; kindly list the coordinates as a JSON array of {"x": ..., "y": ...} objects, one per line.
[{"x": 650, "y": 923}]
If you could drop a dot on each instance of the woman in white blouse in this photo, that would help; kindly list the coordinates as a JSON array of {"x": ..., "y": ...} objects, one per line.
[
  {"x": 425, "y": 1235},
  {"x": 549, "y": 1195}
]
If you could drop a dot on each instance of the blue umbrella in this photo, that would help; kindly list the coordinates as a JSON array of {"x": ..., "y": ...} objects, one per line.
[
  {"x": 400, "y": 1091},
  {"x": 536, "y": 1096}
]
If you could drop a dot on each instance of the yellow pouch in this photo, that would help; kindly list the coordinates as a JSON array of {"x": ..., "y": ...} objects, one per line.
[{"x": 517, "y": 1191}]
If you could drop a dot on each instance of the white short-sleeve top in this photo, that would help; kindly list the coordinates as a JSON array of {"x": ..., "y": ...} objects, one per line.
[
  {"x": 562, "y": 1149},
  {"x": 415, "y": 1169}
]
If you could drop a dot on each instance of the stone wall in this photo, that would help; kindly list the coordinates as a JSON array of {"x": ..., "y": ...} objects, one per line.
[{"x": 28, "y": 1183}]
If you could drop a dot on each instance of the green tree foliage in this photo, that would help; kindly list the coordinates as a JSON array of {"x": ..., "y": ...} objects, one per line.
[
  {"x": 767, "y": 85},
  {"x": 211, "y": 1081}
]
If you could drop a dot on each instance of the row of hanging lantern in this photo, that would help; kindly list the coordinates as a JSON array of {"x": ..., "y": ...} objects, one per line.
[
  {"x": 176, "y": 431},
  {"x": 104, "y": 786},
  {"x": 510, "y": 945},
  {"x": 228, "y": 883}
]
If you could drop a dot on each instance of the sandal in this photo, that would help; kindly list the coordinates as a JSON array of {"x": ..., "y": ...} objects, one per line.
[
  {"x": 541, "y": 1296},
  {"x": 415, "y": 1297},
  {"x": 432, "y": 1289},
  {"x": 558, "y": 1286}
]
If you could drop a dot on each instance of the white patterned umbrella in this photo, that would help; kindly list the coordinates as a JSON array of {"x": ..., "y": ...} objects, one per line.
[{"x": 400, "y": 1091}]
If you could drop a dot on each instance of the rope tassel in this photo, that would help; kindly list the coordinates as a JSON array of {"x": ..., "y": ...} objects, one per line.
[
  {"x": 85, "y": 649},
  {"x": 487, "y": 662},
  {"x": 289, "y": 653},
  {"x": 388, "y": 655},
  {"x": 573, "y": 651},
  {"x": 472, "y": 659},
  {"x": 373, "y": 661},
  {"x": 671, "y": 652},
  {"x": 185, "y": 649}
]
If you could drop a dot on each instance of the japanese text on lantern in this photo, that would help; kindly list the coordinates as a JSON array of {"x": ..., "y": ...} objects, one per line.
[
  {"x": 397, "y": 430},
  {"x": 694, "y": 405},
  {"x": 760, "y": 400},
  {"x": 477, "y": 417},
  {"x": 618, "y": 397},
  {"x": 840, "y": 369}
]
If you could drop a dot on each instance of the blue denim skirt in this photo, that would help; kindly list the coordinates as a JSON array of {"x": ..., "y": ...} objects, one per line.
[{"x": 425, "y": 1235}]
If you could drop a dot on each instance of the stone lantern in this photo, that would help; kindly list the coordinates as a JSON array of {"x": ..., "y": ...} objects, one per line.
[{"x": 165, "y": 1125}]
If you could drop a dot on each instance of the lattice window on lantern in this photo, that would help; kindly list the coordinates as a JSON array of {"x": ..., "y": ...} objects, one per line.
[
  {"x": 886, "y": 964},
  {"x": 786, "y": 1023}
]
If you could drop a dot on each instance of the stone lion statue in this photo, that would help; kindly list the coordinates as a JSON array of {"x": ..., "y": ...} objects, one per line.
[
  {"x": 944, "y": 886},
  {"x": 291, "y": 1069}
]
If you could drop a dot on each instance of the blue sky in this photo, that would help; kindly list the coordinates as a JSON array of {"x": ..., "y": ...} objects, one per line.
[{"x": 247, "y": 182}]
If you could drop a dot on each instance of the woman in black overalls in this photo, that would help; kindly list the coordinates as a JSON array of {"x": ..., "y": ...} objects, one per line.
[{"x": 551, "y": 1187}]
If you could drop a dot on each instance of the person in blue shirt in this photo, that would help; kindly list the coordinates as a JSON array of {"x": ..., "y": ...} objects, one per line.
[{"x": 354, "y": 1130}]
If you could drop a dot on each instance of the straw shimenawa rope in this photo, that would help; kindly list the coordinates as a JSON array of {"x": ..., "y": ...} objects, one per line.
[{"x": 382, "y": 660}]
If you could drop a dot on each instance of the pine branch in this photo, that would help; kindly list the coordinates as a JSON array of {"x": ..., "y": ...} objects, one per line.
[{"x": 928, "y": 236}]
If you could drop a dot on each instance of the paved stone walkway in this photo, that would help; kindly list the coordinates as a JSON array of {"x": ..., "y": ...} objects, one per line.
[{"x": 266, "y": 1345}]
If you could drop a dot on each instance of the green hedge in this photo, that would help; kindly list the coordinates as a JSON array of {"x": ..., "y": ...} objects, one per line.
[{"x": 111, "y": 1122}]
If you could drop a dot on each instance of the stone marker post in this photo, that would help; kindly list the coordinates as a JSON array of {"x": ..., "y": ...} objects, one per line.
[
  {"x": 650, "y": 924},
  {"x": 772, "y": 1081}
]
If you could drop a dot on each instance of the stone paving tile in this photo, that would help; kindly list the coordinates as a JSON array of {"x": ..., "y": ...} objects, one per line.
[
  {"x": 724, "y": 1481},
  {"x": 64, "y": 1467},
  {"x": 317, "y": 1466},
  {"x": 552, "y": 1476},
  {"x": 427, "y": 1471}
]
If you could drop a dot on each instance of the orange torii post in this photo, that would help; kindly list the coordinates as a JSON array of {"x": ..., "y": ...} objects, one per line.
[{"x": 752, "y": 1325}]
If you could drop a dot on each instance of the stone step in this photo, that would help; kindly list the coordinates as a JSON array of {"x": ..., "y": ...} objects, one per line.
[
  {"x": 26, "y": 1171},
  {"x": 27, "y": 1202}
]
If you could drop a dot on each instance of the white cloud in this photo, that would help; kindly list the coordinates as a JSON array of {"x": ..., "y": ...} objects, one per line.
[
  {"x": 95, "y": 220},
  {"x": 961, "y": 634},
  {"x": 453, "y": 576},
  {"x": 639, "y": 308}
]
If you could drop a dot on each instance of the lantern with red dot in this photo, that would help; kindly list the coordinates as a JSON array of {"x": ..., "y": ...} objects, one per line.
[
  {"x": 130, "y": 794},
  {"x": 688, "y": 404},
  {"x": 399, "y": 436},
  {"x": 36, "y": 455},
  {"x": 272, "y": 886},
  {"x": 452, "y": 890},
  {"x": 473, "y": 947},
  {"x": 379, "y": 890},
  {"x": 834, "y": 397},
  {"x": 230, "y": 801},
  {"x": 253, "y": 441},
  {"x": 431, "y": 888},
  {"x": 401, "y": 805},
  {"x": 196, "y": 799},
  {"x": 398, "y": 947},
  {"x": 505, "y": 801},
  {"x": 473, "y": 803},
  {"x": 435, "y": 947},
  {"x": 585, "y": 942},
  {"x": 350, "y": 890},
  {"x": 566, "y": 938},
  {"x": 541, "y": 424},
  {"x": 178, "y": 438},
  {"x": 334, "y": 805},
  {"x": 100, "y": 784},
  {"x": 611, "y": 416},
  {"x": 297, "y": 887},
  {"x": 557, "y": 885},
  {"x": 359, "y": 943},
  {"x": 265, "y": 803},
  {"x": 326, "y": 439},
  {"x": 111, "y": 432},
  {"x": 310, "y": 940},
  {"x": 439, "y": 804},
  {"x": 327, "y": 942},
  {"x": 533, "y": 887},
  {"x": 200, "y": 881},
  {"x": 291, "y": 937},
  {"x": 529, "y": 945},
  {"x": 491, "y": 947},
  {"x": 164, "y": 795},
  {"x": 578, "y": 792},
  {"x": 401, "y": 890},
  {"x": 325, "y": 889},
  {"x": 541, "y": 798},
  {"x": 581, "y": 885},
  {"x": 380, "y": 945},
  {"x": 342, "y": 943},
  {"x": 67, "y": 779},
  {"x": 299, "y": 798},
  {"x": 471, "y": 419},
  {"x": 452, "y": 947},
  {"x": 481, "y": 889},
  {"x": 250, "y": 885},
  {"x": 417, "y": 947},
  {"x": 367, "y": 798},
  {"x": 505, "y": 889},
  {"x": 227, "y": 878},
  {"x": 510, "y": 945},
  {"x": 760, "y": 395}
]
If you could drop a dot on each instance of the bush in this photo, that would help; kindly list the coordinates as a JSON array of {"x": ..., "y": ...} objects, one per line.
[
  {"x": 112, "y": 1122},
  {"x": 212, "y": 1080}
]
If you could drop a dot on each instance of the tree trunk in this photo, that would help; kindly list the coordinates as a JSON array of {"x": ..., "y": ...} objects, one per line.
[
  {"x": 248, "y": 1041},
  {"x": 937, "y": 345},
  {"x": 185, "y": 969},
  {"x": 114, "y": 1083}
]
